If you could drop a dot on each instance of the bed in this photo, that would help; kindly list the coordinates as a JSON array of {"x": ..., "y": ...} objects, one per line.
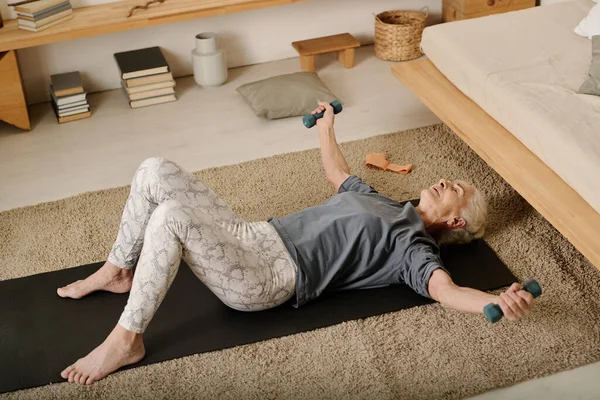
[{"x": 507, "y": 85}]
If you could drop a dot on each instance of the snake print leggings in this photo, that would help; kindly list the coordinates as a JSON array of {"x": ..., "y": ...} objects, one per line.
[{"x": 170, "y": 214}]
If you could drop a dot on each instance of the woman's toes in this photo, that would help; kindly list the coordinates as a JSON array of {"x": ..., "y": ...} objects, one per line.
[
  {"x": 89, "y": 381},
  {"x": 67, "y": 291},
  {"x": 76, "y": 377},
  {"x": 72, "y": 375},
  {"x": 82, "y": 379},
  {"x": 66, "y": 372}
]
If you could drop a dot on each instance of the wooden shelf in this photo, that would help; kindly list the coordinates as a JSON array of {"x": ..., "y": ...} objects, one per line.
[{"x": 112, "y": 17}]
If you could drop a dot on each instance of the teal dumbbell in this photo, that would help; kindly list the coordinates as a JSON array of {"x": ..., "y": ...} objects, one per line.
[
  {"x": 309, "y": 120},
  {"x": 493, "y": 312}
]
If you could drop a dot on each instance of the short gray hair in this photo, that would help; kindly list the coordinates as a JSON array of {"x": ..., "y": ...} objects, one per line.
[{"x": 475, "y": 215}]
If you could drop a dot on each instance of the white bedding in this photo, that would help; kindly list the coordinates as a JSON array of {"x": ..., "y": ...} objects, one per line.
[
  {"x": 590, "y": 25},
  {"x": 524, "y": 69}
]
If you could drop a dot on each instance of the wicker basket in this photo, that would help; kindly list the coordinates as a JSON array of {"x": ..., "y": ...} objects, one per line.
[{"x": 398, "y": 34}]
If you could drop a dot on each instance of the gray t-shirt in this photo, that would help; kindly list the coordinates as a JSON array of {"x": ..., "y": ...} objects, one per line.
[{"x": 358, "y": 239}]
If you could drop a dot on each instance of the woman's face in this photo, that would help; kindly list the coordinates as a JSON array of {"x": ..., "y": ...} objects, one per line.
[{"x": 446, "y": 199}]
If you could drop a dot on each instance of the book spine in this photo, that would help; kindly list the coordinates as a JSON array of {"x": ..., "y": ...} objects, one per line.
[
  {"x": 37, "y": 6},
  {"x": 46, "y": 12},
  {"x": 71, "y": 91},
  {"x": 151, "y": 86},
  {"x": 151, "y": 93},
  {"x": 67, "y": 113},
  {"x": 73, "y": 108},
  {"x": 41, "y": 28},
  {"x": 45, "y": 21},
  {"x": 75, "y": 117},
  {"x": 60, "y": 101},
  {"x": 152, "y": 101},
  {"x": 134, "y": 82}
]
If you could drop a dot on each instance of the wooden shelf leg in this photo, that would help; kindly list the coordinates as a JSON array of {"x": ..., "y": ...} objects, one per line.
[
  {"x": 13, "y": 106},
  {"x": 308, "y": 63},
  {"x": 346, "y": 57}
]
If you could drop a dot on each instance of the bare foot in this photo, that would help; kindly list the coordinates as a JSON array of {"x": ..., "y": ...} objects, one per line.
[
  {"x": 110, "y": 278},
  {"x": 121, "y": 347}
]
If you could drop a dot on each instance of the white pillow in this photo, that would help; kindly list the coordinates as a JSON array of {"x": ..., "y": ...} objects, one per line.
[{"x": 590, "y": 25}]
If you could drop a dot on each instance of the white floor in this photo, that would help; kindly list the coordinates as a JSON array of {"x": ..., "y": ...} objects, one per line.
[{"x": 212, "y": 127}]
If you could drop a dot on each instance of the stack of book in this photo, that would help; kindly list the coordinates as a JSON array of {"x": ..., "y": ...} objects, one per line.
[
  {"x": 68, "y": 97},
  {"x": 39, "y": 15},
  {"x": 146, "y": 77}
]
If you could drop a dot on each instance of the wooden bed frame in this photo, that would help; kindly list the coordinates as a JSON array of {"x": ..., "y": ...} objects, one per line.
[{"x": 570, "y": 214}]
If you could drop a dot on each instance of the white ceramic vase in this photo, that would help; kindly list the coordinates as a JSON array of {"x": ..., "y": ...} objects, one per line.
[{"x": 210, "y": 63}]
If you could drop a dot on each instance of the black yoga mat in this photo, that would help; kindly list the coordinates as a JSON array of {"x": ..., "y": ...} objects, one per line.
[{"x": 41, "y": 333}]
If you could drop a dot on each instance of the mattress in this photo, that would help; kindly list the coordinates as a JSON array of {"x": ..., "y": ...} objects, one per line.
[{"x": 524, "y": 69}]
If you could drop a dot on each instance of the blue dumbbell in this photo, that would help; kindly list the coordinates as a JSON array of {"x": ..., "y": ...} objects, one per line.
[
  {"x": 309, "y": 120},
  {"x": 493, "y": 312}
]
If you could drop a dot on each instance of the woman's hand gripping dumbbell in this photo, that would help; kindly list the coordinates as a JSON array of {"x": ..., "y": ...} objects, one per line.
[
  {"x": 310, "y": 120},
  {"x": 515, "y": 302}
]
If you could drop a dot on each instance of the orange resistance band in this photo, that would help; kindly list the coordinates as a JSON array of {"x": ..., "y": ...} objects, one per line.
[{"x": 378, "y": 160}]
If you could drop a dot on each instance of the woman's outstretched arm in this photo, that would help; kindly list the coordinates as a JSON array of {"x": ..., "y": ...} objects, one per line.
[
  {"x": 334, "y": 163},
  {"x": 514, "y": 302}
]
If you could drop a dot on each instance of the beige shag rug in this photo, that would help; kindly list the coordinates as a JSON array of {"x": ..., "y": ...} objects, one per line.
[{"x": 425, "y": 352}]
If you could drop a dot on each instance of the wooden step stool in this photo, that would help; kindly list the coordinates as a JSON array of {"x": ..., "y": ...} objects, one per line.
[{"x": 344, "y": 44}]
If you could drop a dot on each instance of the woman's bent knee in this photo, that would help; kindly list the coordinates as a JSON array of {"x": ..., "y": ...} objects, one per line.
[
  {"x": 153, "y": 175},
  {"x": 158, "y": 167},
  {"x": 153, "y": 163},
  {"x": 148, "y": 172}
]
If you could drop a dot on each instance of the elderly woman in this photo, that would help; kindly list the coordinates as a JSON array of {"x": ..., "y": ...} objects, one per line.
[{"x": 356, "y": 239}]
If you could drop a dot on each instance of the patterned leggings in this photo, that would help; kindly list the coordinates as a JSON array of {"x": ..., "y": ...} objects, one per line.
[{"x": 170, "y": 214}]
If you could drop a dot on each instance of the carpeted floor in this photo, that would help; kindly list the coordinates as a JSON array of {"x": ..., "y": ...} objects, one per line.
[{"x": 421, "y": 353}]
